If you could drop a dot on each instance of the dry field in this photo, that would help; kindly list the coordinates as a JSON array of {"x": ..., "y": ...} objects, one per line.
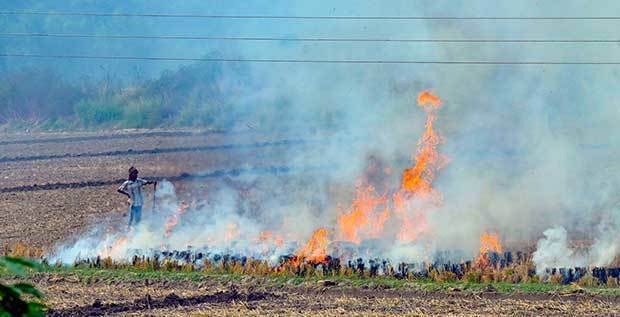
[
  {"x": 255, "y": 296},
  {"x": 43, "y": 195},
  {"x": 45, "y": 214}
]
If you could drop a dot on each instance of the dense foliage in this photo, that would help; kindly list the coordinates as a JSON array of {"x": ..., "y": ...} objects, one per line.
[
  {"x": 191, "y": 96},
  {"x": 12, "y": 302}
]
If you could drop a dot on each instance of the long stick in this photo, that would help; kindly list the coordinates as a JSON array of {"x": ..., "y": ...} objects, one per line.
[{"x": 154, "y": 198}]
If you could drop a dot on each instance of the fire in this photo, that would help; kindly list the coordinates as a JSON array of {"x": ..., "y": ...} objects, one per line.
[
  {"x": 417, "y": 196},
  {"x": 173, "y": 220},
  {"x": 362, "y": 215},
  {"x": 427, "y": 98},
  {"x": 489, "y": 242},
  {"x": 315, "y": 250},
  {"x": 376, "y": 227},
  {"x": 116, "y": 247},
  {"x": 418, "y": 178},
  {"x": 411, "y": 203}
]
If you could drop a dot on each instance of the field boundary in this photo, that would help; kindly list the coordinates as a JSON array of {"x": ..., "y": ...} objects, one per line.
[
  {"x": 131, "y": 152},
  {"x": 115, "y": 136},
  {"x": 274, "y": 170}
]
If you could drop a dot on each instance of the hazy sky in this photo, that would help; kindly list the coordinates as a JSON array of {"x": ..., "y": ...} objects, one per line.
[{"x": 307, "y": 28}]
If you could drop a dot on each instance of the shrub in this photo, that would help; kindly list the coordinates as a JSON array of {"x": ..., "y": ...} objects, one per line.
[
  {"x": 35, "y": 94},
  {"x": 11, "y": 301},
  {"x": 556, "y": 279},
  {"x": 442, "y": 276},
  {"x": 93, "y": 113},
  {"x": 21, "y": 250},
  {"x": 508, "y": 275},
  {"x": 193, "y": 115},
  {"x": 588, "y": 281},
  {"x": 473, "y": 276},
  {"x": 522, "y": 272},
  {"x": 142, "y": 113},
  {"x": 58, "y": 124}
]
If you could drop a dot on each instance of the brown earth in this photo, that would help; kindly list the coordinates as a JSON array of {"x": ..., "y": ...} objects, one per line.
[
  {"x": 71, "y": 296},
  {"x": 42, "y": 218}
]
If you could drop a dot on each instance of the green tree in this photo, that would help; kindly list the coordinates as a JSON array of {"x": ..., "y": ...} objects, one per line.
[{"x": 11, "y": 301}]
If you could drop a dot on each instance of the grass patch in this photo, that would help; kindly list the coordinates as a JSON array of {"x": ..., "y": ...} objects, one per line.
[{"x": 88, "y": 275}]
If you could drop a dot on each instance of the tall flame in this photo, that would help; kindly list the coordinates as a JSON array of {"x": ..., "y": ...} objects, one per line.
[
  {"x": 362, "y": 215},
  {"x": 418, "y": 178},
  {"x": 315, "y": 250},
  {"x": 489, "y": 242},
  {"x": 417, "y": 196},
  {"x": 412, "y": 202}
]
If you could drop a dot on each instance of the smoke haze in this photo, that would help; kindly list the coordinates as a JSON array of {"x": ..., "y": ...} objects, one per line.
[{"x": 530, "y": 148}]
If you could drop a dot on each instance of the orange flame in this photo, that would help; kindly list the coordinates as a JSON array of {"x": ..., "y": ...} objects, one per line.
[
  {"x": 418, "y": 179},
  {"x": 412, "y": 202},
  {"x": 362, "y": 215},
  {"x": 427, "y": 98},
  {"x": 417, "y": 195},
  {"x": 489, "y": 242},
  {"x": 173, "y": 220},
  {"x": 376, "y": 227},
  {"x": 116, "y": 246},
  {"x": 315, "y": 250}
]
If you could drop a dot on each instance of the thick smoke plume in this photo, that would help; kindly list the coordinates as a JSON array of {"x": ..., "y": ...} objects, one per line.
[{"x": 528, "y": 147}]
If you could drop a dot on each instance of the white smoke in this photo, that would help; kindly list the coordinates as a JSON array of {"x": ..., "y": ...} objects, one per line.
[
  {"x": 553, "y": 251},
  {"x": 606, "y": 246}
]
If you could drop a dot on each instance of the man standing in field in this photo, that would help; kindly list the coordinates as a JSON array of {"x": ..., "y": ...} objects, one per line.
[{"x": 132, "y": 188}]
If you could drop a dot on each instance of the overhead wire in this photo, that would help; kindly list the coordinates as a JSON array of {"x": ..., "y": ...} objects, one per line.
[
  {"x": 308, "y": 61},
  {"x": 301, "y": 17},
  {"x": 305, "y": 39},
  {"x": 302, "y": 39}
]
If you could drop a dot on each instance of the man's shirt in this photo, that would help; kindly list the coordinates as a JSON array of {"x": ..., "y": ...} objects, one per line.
[{"x": 134, "y": 189}]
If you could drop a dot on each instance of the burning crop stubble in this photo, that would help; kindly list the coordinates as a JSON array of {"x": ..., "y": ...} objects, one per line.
[
  {"x": 219, "y": 226},
  {"x": 395, "y": 225},
  {"x": 529, "y": 147}
]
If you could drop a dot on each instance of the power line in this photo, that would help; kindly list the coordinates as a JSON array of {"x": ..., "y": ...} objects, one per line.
[
  {"x": 306, "y": 61},
  {"x": 301, "y": 17},
  {"x": 302, "y": 39}
]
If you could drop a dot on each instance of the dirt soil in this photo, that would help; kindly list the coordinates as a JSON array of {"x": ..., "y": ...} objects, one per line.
[
  {"x": 70, "y": 296},
  {"x": 42, "y": 217}
]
